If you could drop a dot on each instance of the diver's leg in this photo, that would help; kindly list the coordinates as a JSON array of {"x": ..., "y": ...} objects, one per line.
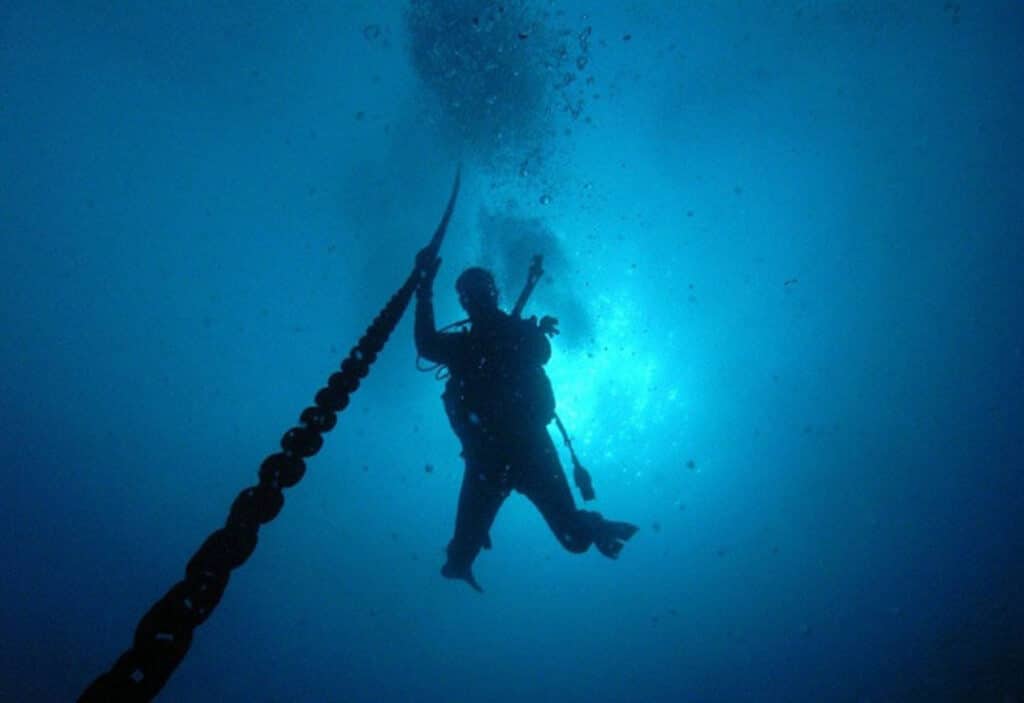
[
  {"x": 544, "y": 483},
  {"x": 479, "y": 500}
]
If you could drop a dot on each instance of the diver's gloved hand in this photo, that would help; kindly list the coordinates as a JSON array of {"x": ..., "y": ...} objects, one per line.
[
  {"x": 426, "y": 267},
  {"x": 425, "y": 257},
  {"x": 548, "y": 325}
]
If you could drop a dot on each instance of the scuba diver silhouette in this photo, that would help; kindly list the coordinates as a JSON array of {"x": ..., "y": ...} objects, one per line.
[{"x": 499, "y": 402}]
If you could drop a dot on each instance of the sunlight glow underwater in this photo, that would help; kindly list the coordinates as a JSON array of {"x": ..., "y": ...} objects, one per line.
[{"x": 615, "y": 395}]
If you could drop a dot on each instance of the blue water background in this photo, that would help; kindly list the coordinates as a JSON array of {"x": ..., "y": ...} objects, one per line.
[{"x": 791, "y": 234}]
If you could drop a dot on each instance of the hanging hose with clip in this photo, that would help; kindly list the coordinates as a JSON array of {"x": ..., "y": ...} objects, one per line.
[{"x": 547, "y": 325}]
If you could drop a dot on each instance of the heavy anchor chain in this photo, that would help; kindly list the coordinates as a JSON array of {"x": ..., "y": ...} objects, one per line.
[{"x": 164, "y": 634}]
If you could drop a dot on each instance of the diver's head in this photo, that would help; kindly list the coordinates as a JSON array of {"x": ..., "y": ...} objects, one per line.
[{"x": 478, "y": 294}]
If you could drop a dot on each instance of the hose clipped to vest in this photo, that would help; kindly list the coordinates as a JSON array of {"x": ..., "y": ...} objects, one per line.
[
  {"x": 164, "y": 634},
  {"x": 580, "y": 476}
]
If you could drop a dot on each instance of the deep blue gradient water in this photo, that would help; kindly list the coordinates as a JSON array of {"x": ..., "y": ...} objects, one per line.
[{"x": 784, "y": 240}]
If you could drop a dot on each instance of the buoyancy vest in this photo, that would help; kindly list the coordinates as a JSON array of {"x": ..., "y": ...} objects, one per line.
[{"x": 494, "y": 394}]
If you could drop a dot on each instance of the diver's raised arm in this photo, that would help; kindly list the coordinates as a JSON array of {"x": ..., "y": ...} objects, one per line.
[{"x": 431, "y": 344}]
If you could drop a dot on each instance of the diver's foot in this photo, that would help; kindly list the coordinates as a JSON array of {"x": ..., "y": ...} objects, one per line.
[
  {"x": 611, "y": 537},
  {"x": 450, "y": 572}
]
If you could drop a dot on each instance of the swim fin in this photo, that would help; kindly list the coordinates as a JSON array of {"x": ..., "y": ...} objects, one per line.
[
  {"x": 450, "y": 572},
  {"x": 611, "y": 537}
]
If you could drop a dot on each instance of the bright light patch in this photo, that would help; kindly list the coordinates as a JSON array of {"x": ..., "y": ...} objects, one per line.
[{"x": 615, "y": 394}]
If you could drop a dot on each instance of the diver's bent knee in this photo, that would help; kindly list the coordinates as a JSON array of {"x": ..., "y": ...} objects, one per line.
[{"x": 574, "y": 543}]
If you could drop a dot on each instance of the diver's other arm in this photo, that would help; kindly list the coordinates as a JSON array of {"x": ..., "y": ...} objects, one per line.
[
  {"x": 548, "y": 325},
  {"x": 534, "y": 345}
]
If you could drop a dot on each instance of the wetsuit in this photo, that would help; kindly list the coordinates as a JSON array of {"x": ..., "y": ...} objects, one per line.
[{"x": 499, "y": 401}]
